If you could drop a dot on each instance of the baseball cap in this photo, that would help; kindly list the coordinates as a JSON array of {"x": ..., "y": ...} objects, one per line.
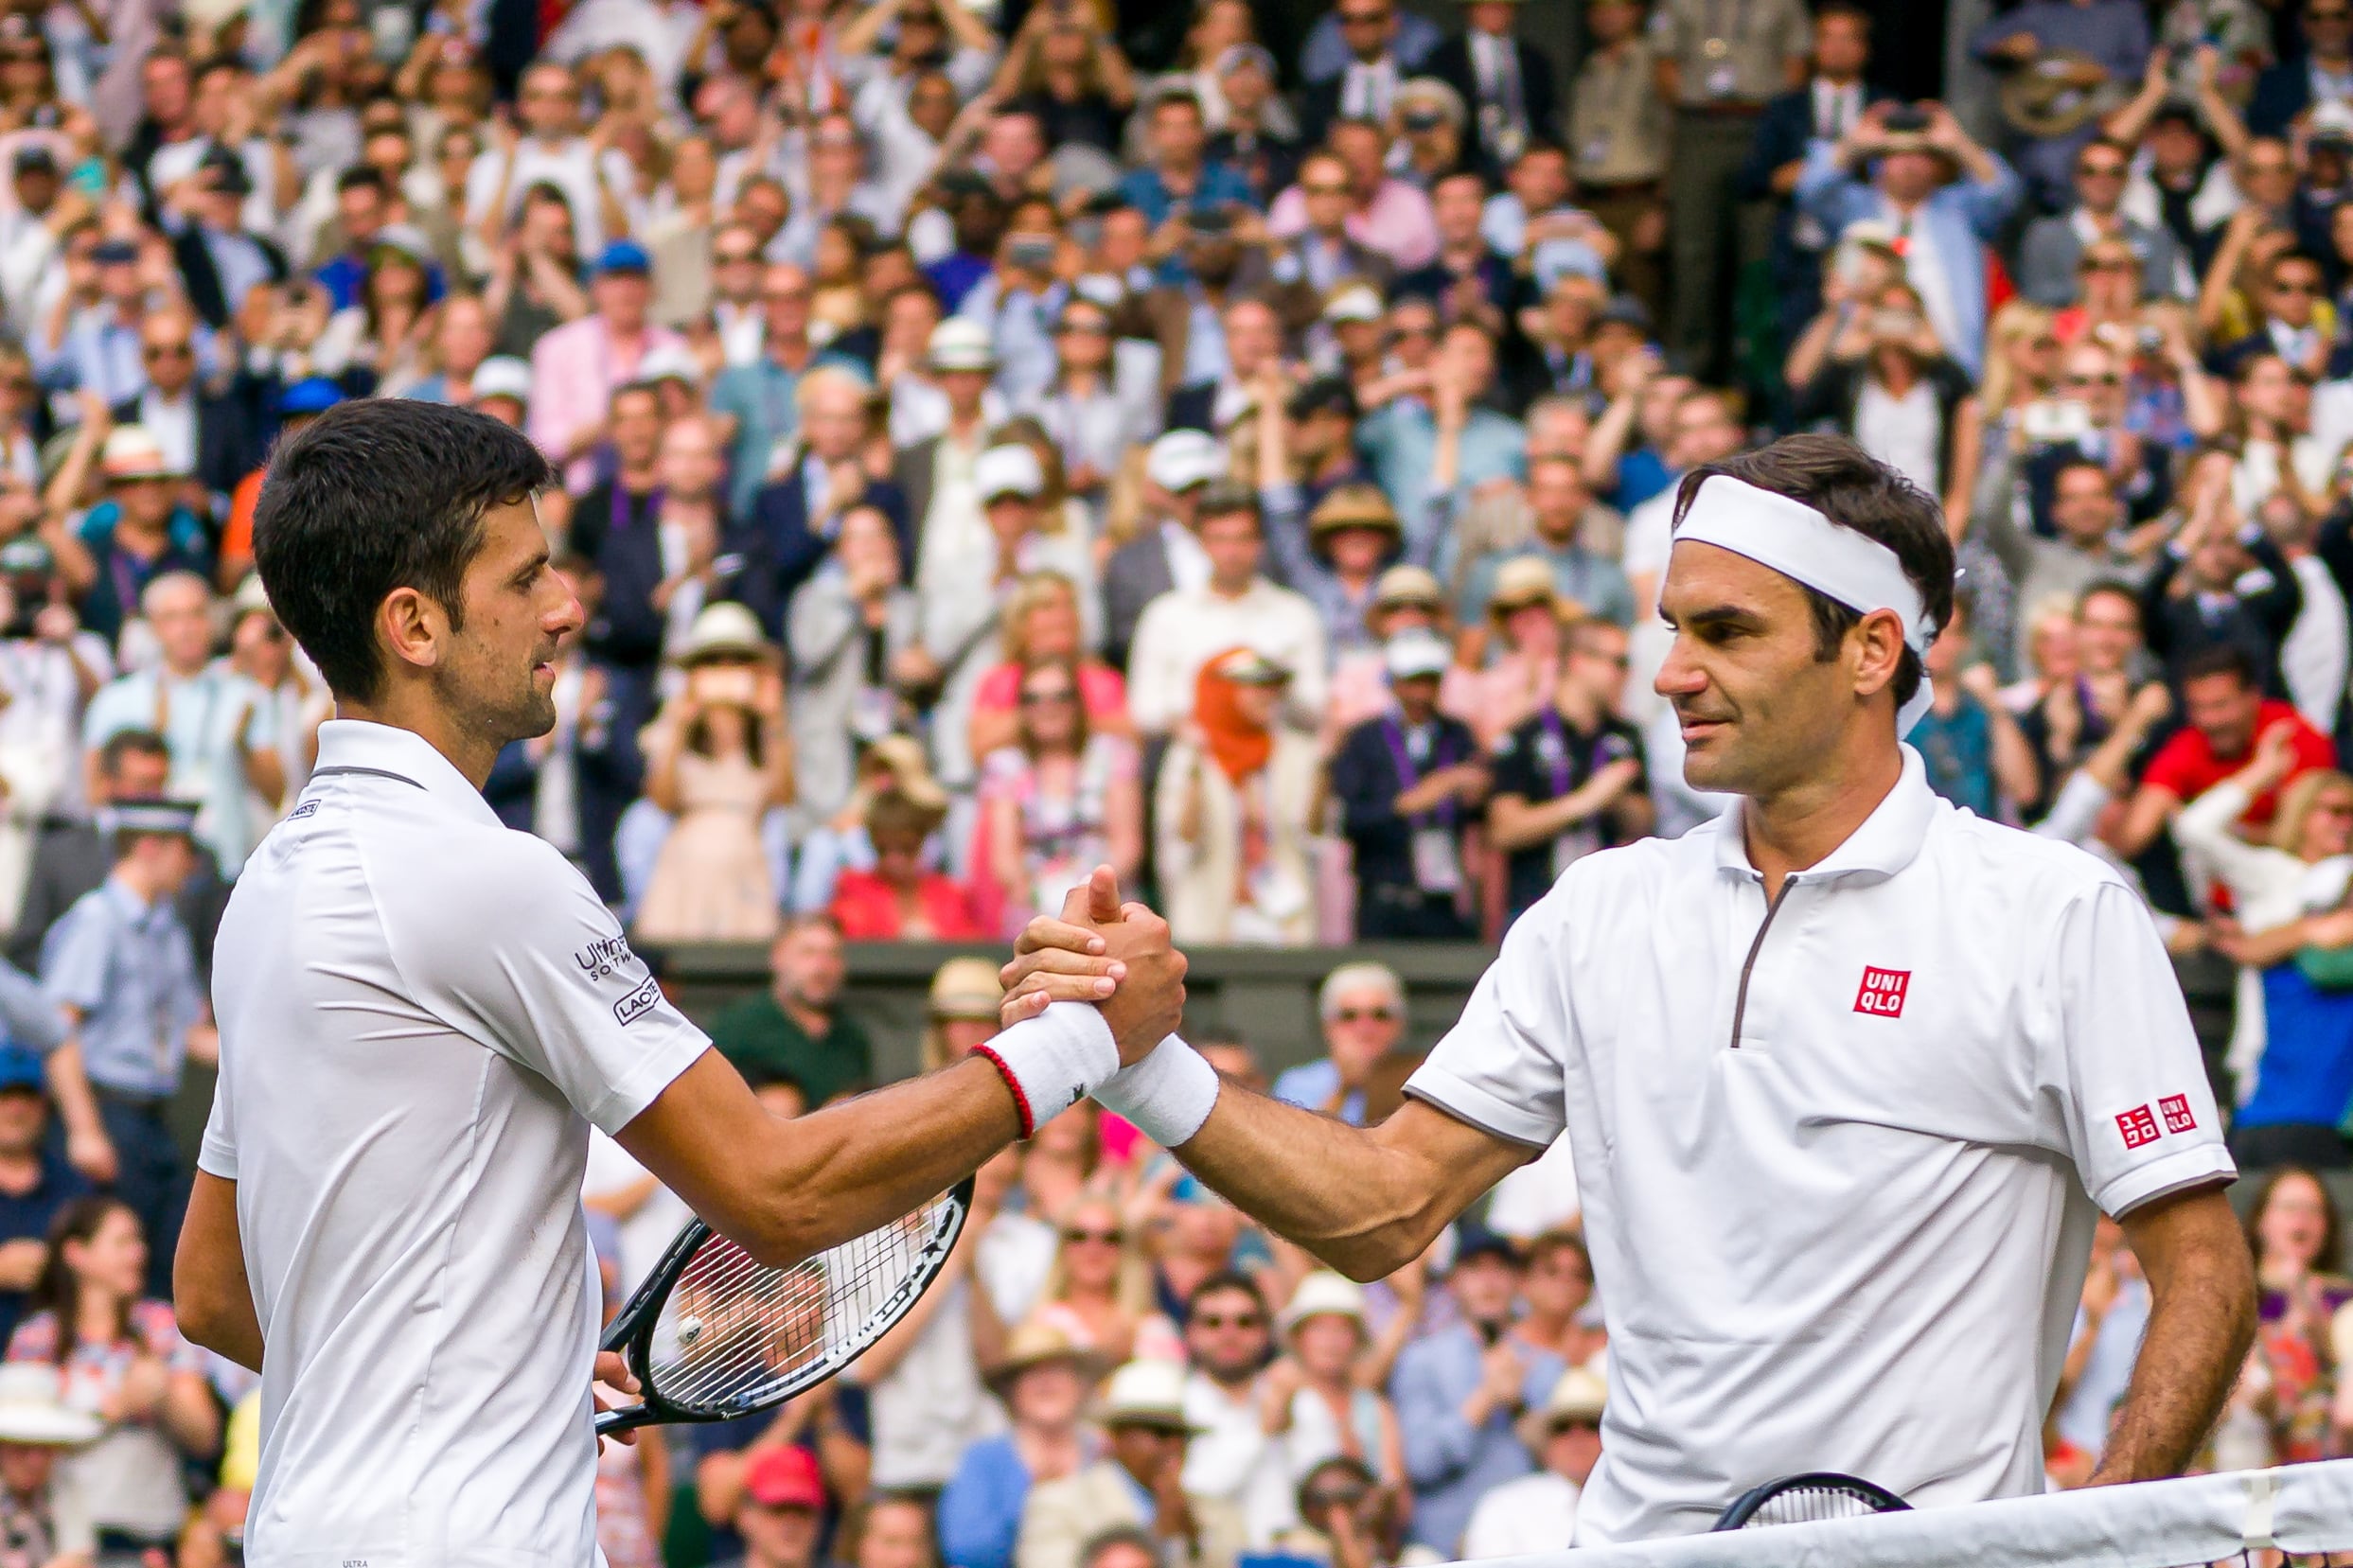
[
  {"x": 669, "y": 362},
  {"x": 1624, "y": 310},
  {"x": 624, "y": 256},
  {"x": 157, "y": 815},
  {"x": 1414, "y": 654},
  {"x": 785, "y": 1478},
  {"x": 226, "y": 171},
  {"x": 20, "y": 1069},
  {"x": 312, "y": 395},
  {"x": 959, "y": 344},
  {"x": 503, "y": 375},
  {"x": 1352, "y": 302},
  {"x": 1479, "y": 1241},
  {"x": 1183, "y": 458},
  {"x": 1010, "y": 469}
]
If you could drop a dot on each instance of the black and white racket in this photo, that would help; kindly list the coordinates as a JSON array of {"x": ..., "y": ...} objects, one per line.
[
  {"x": 710, "y": 1334},
  {"x": 1806, "y": 1499}
]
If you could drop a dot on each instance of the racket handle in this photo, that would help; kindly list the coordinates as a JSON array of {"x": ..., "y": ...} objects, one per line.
[{"x": 612, "y": 1423}]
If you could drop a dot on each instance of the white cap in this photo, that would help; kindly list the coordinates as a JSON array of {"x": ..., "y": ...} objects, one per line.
[
  {"x": 1352, "y": 302},
  {"x": 31, "y": 1411},
  {"x": 1146, "y": 1393},
  {"x": 1184, "y": 458},
  {"x": 961, "y": 344},
  {"x": 503, "y": 375},
  {"x": 1415, "y": 652},
  {"x": 1008, "y": 470},
  {"x": 1324, "y": 1294},
  {"x": 669, "y": 362}
]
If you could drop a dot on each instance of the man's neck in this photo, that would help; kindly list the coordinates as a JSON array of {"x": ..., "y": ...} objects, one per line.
[
  {"x": 135, "y": 881},
  {"x": 184, "y": 671},
  {"x": 813, "y": 1021},
  {"x": 1801, "y": 826},
  {"x": 1578, "y": 706},
  {"x": 964, "y": 424},
  {"x": 1414, "y": 715},
  {"x": 683, "y": 508},
  {"x": 624, "y": 332},
  {"x": 791, "y": 353},
  {"x": 1228, "y": 590},
  {"x": 1180, "y": 176},
  {"x": 1837, "y": 79},
  {"x": 169, "y": 398},
  {"x": 637, "y": 479},
  {"x": 469, "y": 749}
]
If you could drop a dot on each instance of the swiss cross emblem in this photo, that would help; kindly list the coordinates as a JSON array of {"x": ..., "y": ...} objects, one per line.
[
  {"x": 2138, "y": 1127},
  {"x": 2179, "y": 1117},
  {"x": 1883, "y": 991}
]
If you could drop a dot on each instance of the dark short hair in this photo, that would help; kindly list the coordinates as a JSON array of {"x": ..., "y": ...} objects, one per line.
[
  {"x": 2222, "y": 659},
  {"x": 1856, "y": 490},
  {"x": 125, "y": 743},
  {"x": 360, "y": 177},
  {"x": 2073, "y": 464},
  {"x": 2108, "y": 588},
  {"x": 1224, "y": 1279},
  {"x": 373, "y": 496}
]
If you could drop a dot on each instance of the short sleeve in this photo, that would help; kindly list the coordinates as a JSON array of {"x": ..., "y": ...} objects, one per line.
[
  {"x": 2172, "y": 766},
  {"x": 2122, "y": 1087},
  {"x": 35, "y": 1339},
  {"x": 72, "y": 959},
  {"x": 1500, "y": 1068},
  {"x": 217, "y": 1155},
  {"x": 542, "y": 973},
  {"x": 1514, "y": 769}
]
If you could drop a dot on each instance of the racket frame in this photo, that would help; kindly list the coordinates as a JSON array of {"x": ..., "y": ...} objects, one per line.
[
  {"x": 632, "y": 1333},
  {"x": 1737, "y": 1515}
]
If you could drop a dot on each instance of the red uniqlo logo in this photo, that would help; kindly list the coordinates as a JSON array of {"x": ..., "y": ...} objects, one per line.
[
  {"x": 1883, "y": 991},
  {"x": 2137, "y": 1126},
  {"x": 2179, "y": 1117}
]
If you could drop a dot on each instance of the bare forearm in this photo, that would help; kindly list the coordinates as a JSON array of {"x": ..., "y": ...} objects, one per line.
[
  {"x": 787, "y": 1190},
  {"x": 1364, "y": 1201},
  {"x": 2201, "y": 1319},
  {"x": 75, "y": 1105}
]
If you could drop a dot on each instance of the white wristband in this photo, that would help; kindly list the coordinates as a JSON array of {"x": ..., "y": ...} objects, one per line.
[
  {"x": 1167, "y": 1095},
  {"x": 1054, "y": 1061}
]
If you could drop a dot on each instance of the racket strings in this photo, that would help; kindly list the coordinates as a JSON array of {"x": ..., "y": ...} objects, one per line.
[
  {"x": 734, "y": 1332},
  {"x": 1810, "y": 1504}
]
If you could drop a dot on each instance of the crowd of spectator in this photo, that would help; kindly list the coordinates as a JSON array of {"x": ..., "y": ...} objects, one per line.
[{"x": 1234, "y": 443}]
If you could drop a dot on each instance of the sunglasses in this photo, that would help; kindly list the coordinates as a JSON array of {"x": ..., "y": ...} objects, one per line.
[
  {"x": 2110, "y": 264},
  {"x": 165, "y": 351},
  {"x": 1358, "y": 1014},
  {"x": 1040, "y": 700},
  {"x": 786, "y": 297},
  {"x": 2111, "y": 378},
  {"x": 1105, "y": 1238},
  {"x": 1326, "y": 189},
  {"x": 2270, "y": 167},
  {"x": 2294, "y": 286},
  {"x": 734, "y": 259},
  {"x": 1363, "y": 19},
  {"x": 2326, "y": 16},
  {"x": 1239, "y": 1320},
  {"x": 1337, "y": 1497},
  {"x": 1086, "y": 329},
  {"x": 2101, "y": 172}
]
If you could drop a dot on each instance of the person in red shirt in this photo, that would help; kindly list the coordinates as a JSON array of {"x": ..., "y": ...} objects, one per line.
[
  {"x": 2222, "y": 699},
  {"x": 901, "y": 899}
]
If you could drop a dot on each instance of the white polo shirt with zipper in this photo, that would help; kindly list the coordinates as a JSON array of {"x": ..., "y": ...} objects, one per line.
[{"x": 1840, "y": 1153}]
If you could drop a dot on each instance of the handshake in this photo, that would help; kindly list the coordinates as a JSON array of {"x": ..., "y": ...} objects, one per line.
[{"x": 1119, "y": 1045}]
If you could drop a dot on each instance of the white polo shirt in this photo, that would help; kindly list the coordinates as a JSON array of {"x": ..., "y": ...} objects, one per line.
[
  {"x": 1821, "y": 1232},
  {"x": 421, "y": 1013}
]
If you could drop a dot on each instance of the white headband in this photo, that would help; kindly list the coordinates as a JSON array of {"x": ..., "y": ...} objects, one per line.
[{"x": 1800, "y": 543}]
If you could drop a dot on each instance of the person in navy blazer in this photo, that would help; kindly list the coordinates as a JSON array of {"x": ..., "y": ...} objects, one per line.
[
  {"x": 1451, "y": 63},
  {"x": 2284, "y": 90},
  {"x": 1841, "y": 48}
]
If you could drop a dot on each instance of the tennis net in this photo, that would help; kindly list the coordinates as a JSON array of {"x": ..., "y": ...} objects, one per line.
[{"x": 2293, "y": 1517}]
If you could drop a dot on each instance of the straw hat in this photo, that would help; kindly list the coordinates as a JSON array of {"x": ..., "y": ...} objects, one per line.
[
  {"x": 30, "y": 1412},
  {"x": 723, "y": 631},
  {"x": 1146, "y": 1393},
  {"x": 1528, "y": 580},
  {"x": 965, "y": 988},
  {"x": 1354, "y": 506},
  {"x": 1409, "y": 585},
  {"x": 902, "y": 757},
  {"x": 1032, "y": 1344},
  {"x": 1577, "y": 1396},
  {"x": 1324, "y": 1294}
]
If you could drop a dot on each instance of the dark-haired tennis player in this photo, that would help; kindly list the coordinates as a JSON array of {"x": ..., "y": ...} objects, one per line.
[
  {"x": 422, "y": 1013},
  {"x": 1845, "y": 1074}
]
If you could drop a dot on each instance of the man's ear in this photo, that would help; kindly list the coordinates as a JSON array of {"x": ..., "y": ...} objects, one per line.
[
  {"x": 414, "y": 628},
  {"x": 1875, "y": 648}
]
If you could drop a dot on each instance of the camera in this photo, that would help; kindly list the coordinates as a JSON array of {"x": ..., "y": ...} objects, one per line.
[
  {"x": 1031, "y": 252},
  {"x": 1906, "y": 118}
]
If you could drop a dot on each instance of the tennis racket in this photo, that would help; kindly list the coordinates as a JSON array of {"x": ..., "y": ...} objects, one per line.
[
  {"x": 710, "y": 1334},
  {"x": 1805, "y": 1499}
]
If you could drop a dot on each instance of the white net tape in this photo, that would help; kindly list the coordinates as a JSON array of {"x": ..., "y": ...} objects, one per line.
[{"x": 2300, "y": 1514}]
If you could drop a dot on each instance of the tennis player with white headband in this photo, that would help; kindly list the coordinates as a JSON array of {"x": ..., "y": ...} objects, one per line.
[{"x": 1846, "y": 1072}]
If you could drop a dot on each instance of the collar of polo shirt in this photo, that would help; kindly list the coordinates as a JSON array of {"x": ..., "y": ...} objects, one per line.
[
  {"x": 1888, "y": 840},
  {"x": 360, "y": 747}
]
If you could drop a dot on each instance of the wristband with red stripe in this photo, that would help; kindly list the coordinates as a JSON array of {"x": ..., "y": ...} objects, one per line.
[{"x": 1054, "y": 1061}]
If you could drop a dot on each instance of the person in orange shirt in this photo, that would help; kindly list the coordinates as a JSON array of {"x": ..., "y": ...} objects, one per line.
[{"x": 297, "y": 405}]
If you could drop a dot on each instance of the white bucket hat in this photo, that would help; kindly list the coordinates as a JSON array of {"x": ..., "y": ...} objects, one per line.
[{"x": 30, "y": 1411}]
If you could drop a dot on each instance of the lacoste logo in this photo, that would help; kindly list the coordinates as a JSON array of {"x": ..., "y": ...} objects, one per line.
[{"x": 639, "y": 1002}]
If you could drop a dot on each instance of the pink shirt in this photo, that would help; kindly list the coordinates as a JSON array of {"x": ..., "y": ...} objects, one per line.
[
  {"x": 1398, "y": 223},
  {"x": 574, "y": 369}
]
